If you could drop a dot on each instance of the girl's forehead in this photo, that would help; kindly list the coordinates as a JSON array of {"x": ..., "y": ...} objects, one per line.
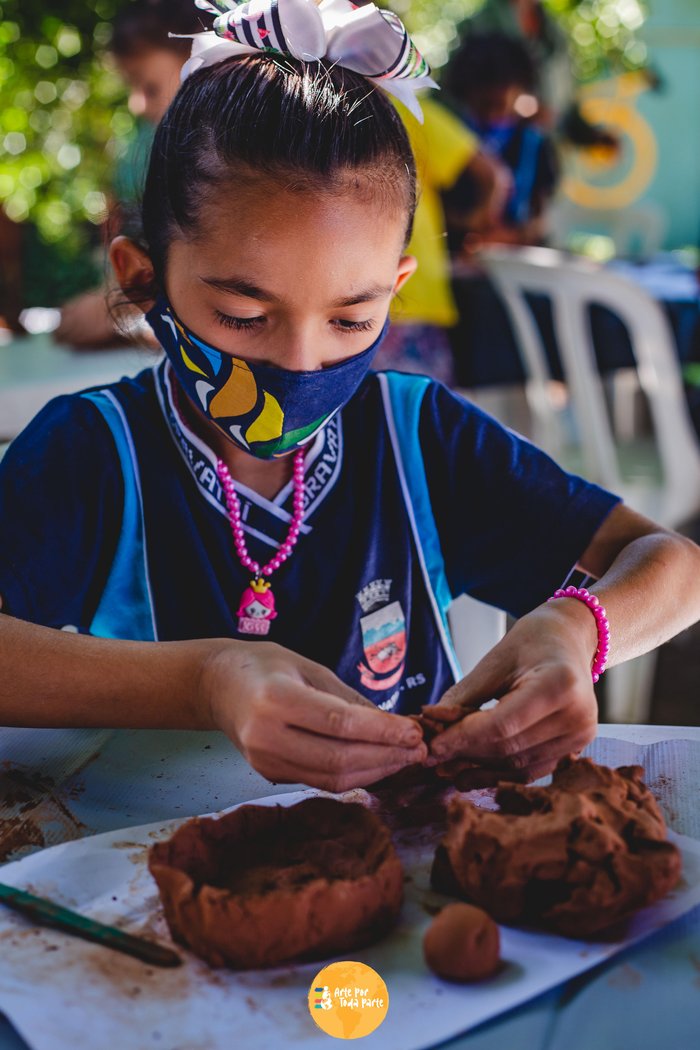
[{"x": 270, "y": 240}]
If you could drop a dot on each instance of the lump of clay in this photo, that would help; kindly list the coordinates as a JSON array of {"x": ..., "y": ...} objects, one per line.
[
  {"x": 264, "y": 885},
  {"x": 462, "y": 944},
  {"x": 574, "y": 857},
  {"x": 433, "y": 719},
  {"x": 436, "y": 718}
]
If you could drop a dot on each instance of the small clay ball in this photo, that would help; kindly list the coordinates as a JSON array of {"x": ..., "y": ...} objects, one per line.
[{"x": 462, "y": 944}]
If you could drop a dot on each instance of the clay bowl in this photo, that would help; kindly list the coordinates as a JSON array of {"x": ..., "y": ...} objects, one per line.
[{"x": 264, "y": 885}]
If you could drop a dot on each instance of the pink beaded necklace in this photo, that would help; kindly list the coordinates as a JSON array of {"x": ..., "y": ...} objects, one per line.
[{"x": 257, "y": 605}]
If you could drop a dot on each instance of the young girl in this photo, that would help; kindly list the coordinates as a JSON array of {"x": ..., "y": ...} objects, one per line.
[{"x": 263, "y": 450}]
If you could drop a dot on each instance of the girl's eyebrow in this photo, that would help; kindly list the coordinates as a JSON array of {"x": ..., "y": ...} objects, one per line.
[
  {"x": 240, "y": 286},
  {"x": 375, "y": 291}
]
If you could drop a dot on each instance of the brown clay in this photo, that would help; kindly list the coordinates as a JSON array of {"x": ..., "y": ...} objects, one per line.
[
  {"x": 435, "y": 719},
  {"x": 264, "y": 885},
  {"x": 462, "y": 944},
  {"x": 574, "y": 857}
]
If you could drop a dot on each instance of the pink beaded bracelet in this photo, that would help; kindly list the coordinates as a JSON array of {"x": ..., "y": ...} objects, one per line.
[{"x": 601, "y": 653}]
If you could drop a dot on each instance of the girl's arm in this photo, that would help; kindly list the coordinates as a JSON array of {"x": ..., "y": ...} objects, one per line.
[
  {"x": 292, "y": 719},
  {"x": 541, "y": 670},
  {"x": 51, "y": 678}
]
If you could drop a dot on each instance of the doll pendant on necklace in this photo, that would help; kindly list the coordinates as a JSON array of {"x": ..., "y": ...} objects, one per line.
[{"x": 257, "y": 605}]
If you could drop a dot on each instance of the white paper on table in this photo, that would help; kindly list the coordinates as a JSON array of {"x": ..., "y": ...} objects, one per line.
[{"x": 62, "y": 993}]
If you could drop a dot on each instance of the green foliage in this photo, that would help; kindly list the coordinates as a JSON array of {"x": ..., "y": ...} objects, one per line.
[
  {"x": 55, "y": 271},
  {"x": 433, "y": 23},
  {"x": 603, "y": 33},
  {"x": 62, "y": 115}
]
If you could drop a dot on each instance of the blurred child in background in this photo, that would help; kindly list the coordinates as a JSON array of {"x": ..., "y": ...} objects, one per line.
[
  {"x": 150, "y": 62},
  {"x": 530, "y": 22},
  {"x": 492, "y": 82}
]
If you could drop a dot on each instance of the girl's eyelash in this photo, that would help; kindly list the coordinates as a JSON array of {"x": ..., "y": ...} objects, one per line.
[
  {"x": 239, "y": 324},
  {"x": 245, "y": 324},
  {"x": 355, "y": 326}
]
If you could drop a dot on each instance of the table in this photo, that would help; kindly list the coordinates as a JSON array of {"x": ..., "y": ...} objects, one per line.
[
  {"x": 486, "y": 353},
  {"x": 34, "y": 369},
  {"x": 76, "y": 782}
]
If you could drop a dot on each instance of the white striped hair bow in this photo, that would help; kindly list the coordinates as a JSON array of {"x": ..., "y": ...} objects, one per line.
[{"x": 365, "y": 39}]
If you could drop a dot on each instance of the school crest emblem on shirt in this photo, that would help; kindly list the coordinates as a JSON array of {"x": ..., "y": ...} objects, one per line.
[{"x": 383, "y": 637}]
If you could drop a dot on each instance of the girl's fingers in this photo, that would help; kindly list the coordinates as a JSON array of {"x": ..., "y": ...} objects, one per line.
[
  {"x": 490, "y": 678},
  {"x": 268, "y": 742},
  {"x": 536, "y": 766},
  {"x": 531, "y": 764},
  {"x": 515, "y": 752},
  {"x": 551, "y": 750},
  {"x": 309, "y": 761},
  {"x": 515, "y": 724},
  {"x": 318, "y": 712},
  {"x": 319, "y": 677},
  {"x": 328, "y": 756}
]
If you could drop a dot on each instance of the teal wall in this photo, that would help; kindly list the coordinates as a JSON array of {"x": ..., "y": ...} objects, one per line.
[{"x": 672, "y": 33}]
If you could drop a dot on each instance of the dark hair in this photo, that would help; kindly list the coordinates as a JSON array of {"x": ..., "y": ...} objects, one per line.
[
  {"x": 488, "y": 60},
  {"x": 143, "y": 25},
  {"x": 310, "y": 126}
]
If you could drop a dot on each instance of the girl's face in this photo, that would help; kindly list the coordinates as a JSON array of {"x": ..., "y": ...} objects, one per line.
[{"x": 283, "y": 277}]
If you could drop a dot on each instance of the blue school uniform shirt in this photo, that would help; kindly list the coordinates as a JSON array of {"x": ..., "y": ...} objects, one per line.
[{"x": 112, "y": 522}]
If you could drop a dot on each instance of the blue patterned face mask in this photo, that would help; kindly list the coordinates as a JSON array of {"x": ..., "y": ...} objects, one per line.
[{"x": 265, "y": 410}]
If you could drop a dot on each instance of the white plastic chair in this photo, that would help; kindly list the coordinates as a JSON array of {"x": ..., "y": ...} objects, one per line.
[{"x": 572, "y": 286}]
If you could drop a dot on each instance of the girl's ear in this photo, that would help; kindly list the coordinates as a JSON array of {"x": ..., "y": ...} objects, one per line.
[
  {"x": 408, "y": 264},
  {"x": 134, "y": 272}
]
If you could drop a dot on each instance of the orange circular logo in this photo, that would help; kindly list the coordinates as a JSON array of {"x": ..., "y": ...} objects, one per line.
[{"x": 348, "y": 1000}]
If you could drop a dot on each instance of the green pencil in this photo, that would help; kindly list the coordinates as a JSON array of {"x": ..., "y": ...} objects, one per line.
[{"x": 46, "y": 913}]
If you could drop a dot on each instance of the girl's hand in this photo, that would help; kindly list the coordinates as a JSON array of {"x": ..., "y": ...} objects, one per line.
[
  {"x": 541, "y": 674},
  {"x": 295, "y": 722}
]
